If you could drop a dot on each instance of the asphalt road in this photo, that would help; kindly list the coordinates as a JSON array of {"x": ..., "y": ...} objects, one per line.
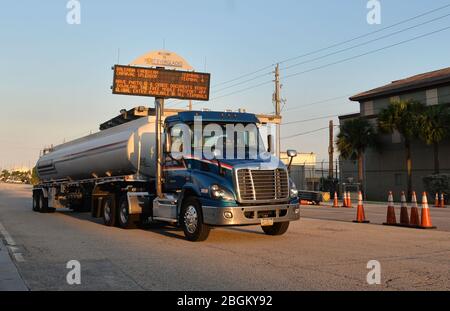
[{"x": 315, "y": 254}]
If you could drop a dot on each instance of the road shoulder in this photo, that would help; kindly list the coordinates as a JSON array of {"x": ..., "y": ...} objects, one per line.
[{"x": 10, "y": 279}]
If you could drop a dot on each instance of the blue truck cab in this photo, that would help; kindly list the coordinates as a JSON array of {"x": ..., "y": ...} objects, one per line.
[{"x": 222, "y": 175}]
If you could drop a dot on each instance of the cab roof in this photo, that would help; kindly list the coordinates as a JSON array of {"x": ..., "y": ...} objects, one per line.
[{"x": 213, "y": 116}]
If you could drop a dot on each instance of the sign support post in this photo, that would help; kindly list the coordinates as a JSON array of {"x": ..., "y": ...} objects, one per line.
[{"x": 159, "y": 113}]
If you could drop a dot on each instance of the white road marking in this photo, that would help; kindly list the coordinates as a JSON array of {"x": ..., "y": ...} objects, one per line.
[
  {"x": 18, "y": 257},
  {"x": 11, "y": 244},
  {"x": 7, "y": 236}
]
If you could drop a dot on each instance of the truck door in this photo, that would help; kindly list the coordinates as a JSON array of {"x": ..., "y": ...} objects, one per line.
[{"x": 175, "y": 170}]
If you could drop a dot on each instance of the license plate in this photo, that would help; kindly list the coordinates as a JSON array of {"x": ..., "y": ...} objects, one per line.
[{"x": 266, "y": 222}]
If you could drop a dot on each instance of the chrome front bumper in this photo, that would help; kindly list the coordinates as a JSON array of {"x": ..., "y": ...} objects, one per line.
[{"x": 249, "y": 215}]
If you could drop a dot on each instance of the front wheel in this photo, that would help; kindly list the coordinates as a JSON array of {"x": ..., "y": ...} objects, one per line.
[
  {"x": 278, "y": 228},
  {"x": 192, "y": 221}
]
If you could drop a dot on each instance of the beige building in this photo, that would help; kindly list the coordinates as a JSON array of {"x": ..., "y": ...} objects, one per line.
[{"x": 386, "y": 171}]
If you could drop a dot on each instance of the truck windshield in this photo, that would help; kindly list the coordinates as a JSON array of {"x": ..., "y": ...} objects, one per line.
[{"x": 234, "y": 141}]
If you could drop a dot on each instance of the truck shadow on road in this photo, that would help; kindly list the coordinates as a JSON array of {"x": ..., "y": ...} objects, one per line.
[{"x": 165, "y": 229}]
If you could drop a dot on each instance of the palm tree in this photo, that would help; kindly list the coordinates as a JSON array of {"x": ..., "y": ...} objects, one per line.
[
  {"x": 355, "y": 136},
  {"x": 434, "y": 127},
  {"x": 403, "y": 117}
]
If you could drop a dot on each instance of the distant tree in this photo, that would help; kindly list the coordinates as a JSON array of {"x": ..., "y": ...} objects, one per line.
[
  {"x": 34, "y": 176},
  {"x": 5, "y": 175},
  {"x": 355, "y": 136},
  {"x": 434, "y": 128},
  {"x": 403, "y": 117}
]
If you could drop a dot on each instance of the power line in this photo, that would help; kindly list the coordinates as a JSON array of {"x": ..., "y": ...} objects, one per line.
[
  {"x": 334, "y": 45},
  {"x": 366, "y": 42},
  {"x": 312, "y": 119},
  {"x": 329, "y": 47},
  {"x": 306, "y": 133},
  {"x": 336, "y": 62},
  {"x": 367, "y": 53},
  {"x": 366, "y": 34}
]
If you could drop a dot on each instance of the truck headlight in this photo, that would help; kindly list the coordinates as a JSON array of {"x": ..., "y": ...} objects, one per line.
[
  {"x": 294, "y": 191},
  {"x": 219, "y": 193}
]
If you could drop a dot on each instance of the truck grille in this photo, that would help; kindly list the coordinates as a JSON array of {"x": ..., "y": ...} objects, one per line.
[{"x": 262, "y": 185}]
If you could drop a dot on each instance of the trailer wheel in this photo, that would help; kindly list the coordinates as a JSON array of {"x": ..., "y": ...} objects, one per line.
[
  {"x": 109, "y": 211},
  {"x": 278, "y": 228},
  {"x": 43, "y": 204},
  {"x": 126, "y": 221},
  {"x": 192, "y": 221},
  {"x": 35, "y": 202}
]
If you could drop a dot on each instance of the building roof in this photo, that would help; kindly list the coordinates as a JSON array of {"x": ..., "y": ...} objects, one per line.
[
  {"x": 421, "y": 81},
  {"x": 349, "y": 116}
]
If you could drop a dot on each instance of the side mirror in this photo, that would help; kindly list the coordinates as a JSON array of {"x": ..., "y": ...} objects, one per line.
[{"x": 291, "y": 154}]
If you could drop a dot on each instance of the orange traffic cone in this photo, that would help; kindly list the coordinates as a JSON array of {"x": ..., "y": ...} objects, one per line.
[
  {"x": 336, "y": 202},
  {"x": 391, "y": 220},
  {"x": 442, "y": 201},
  {"x": 360, "y": 215},
  {"x": 344, "y": 199},
  {"x": 414, "y": 220},
  {"x": 404, "y": 218},
  {"x": 436, "y": 200},
  {"x": 349, "y": 200},
  {"x": 426, "y": 217}
]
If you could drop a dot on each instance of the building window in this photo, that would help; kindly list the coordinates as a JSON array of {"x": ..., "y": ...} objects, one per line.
[
  {"x": 432, "y": 97},
  {"x": 368, "y": 108}
]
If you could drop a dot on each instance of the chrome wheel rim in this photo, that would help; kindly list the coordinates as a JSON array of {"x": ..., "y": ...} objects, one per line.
[
  {"x": 123, "y": 213},
  {"x": 107, "y": 212},
  {"x": 191, "y": 219}
]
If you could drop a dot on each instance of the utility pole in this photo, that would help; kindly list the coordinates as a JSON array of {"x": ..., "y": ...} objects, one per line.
[
  {"x": 277, "y": 100},
  {"x": 331, "y": 150}
]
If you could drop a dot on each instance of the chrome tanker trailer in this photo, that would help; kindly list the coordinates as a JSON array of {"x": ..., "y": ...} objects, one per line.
[{"x": 112, "y": 174}]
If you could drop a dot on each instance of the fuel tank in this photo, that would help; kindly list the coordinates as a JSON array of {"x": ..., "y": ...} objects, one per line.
[{"x": 126, "y": 149}]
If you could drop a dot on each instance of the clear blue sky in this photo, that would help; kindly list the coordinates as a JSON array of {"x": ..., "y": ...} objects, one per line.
[{"x": 56, "y": 77}]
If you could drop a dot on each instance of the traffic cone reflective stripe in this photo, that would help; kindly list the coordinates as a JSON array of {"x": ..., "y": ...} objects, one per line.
[
  {"x": 344, "y": 199},
  {"x": 349, "y": 200},
  {"x": 360, "y": 215},
  {"x": 414, "y": 220},
  {"x": 336, "y": 202},
  {"x": 404, "y": 218},
  {"x": 391, "y": 220},
  {"x": 442, "y": 201},
  {"x": 426, "y": 217},
  {"x": 436, "y": 201}
]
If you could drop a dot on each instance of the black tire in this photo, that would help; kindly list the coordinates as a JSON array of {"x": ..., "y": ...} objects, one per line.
[
  {"x": 109, "y": 211},
  {"x": 192, "y": 220},
  {"x": 126, "y": 221},
  {"x": 43, "y": 203},
  {"x": 35, "y": 204},
  {"x": 278, "y": 228}
]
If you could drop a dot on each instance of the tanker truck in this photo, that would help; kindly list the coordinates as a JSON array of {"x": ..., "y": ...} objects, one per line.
[{"x": 113, "y": 174}]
